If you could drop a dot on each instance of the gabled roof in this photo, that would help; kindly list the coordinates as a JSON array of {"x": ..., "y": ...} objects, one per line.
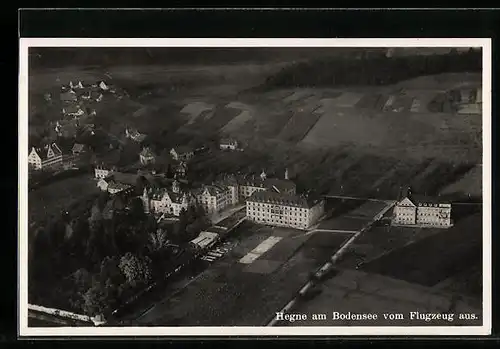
[
  {"x": 423, "y": 199},
  {"x": 125, "y": 178},
  {"x": 272, "y": 197},
  {"x": 228, "y": 141},
  {"x": 280, "y": 185},
  {"x": 78, "y": 147},
  {"x": 44, "y": 152},
  {"x": 146, "y": 152},
  {"x": 72, "y": 108},
  {"x": 213, "y": 190},
  {"x": 112, "y": 184},
  {"x": 183, "y": 149}
]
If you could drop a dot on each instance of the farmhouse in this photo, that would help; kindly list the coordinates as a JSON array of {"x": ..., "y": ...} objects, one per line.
[
  {"x": 146, "y": 156},
  {"x": 50, "y": 156},
  {"x": 286, "y": 210},
  {"x": 165, "y": 201},
  {"x": 182, "y": 153},
  {"x": 214, "y": 198},
  {"x": 422, "y": 211},
  {"x": 228, "y": 144}
]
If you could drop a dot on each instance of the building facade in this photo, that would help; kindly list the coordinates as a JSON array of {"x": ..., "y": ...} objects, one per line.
[
  {"x": 284, "y": 210},
  {"x": 147, "y": 157},
  {"x": 422, "y": 212},
  {"x": 165, "y": 201},
  {"x": 228, "y": 144},
  {"x": 48, "y": 157},
  {"x": 182, "y": 153},
  {"x": 214, "y": 198},
  {"x": 249, "y": 185}
]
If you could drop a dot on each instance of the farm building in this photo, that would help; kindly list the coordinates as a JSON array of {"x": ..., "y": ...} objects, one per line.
[
  {"x": 78, "y": 149},
  {"x": 73, "y": 110},
  {"x": 135, "y": 135}
]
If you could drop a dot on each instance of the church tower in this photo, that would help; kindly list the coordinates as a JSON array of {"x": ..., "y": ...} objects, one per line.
[
  {"x": 145, "y": 200},
  {"x": 263, "y": 175},
  {"x": 176, "y": 187},
  {"x": 287, "y": 176}
]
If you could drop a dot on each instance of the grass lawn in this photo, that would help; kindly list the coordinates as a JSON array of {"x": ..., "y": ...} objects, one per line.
[{"x": 52, "y": 198}]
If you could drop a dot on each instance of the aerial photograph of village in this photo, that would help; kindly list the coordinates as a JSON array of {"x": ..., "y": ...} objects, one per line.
[{"x": 262, "y": 186}]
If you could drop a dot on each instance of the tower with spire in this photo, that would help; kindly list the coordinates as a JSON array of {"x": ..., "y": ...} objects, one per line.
[{"x": 286, "y": 174}]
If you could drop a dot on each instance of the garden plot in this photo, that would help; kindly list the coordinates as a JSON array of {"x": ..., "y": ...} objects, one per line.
[
  {"x": 195, "y": 109},
  {"x": 298, "y": 126}
]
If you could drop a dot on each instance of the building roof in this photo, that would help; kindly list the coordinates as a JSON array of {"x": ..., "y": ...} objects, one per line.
[
  {"x": 417, "y": 199},
  {"x": 78, "y": 147},
  {"x": 44, "y": 152},
  {"x": 68, "y": 96},
  {"x": 228, "y": 141},
  {"x": 272, "y": 197},
  {"x": 213, "y": 189},
  {"x": 72, "y": 108},
  {"x": 124, "y": 178},
  {"x": 112, "y": 184},
  {"x": 159, "y": 193},
  {"x": 276, "y": 184},
  {"x": 183, "y": 149},
  {"x": 147, "y": 153}
]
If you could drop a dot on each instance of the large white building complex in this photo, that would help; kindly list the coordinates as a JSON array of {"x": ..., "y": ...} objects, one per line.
[
  {"x": 412, "y": 210},
  {"x": 167, "y": 201},
  {"x": 47, "y": 157},
  {"x": 283, "y": 209}
]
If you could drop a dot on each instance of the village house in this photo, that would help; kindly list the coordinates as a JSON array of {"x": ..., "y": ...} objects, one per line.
[
  {"x": 182, "y": 153},
  {"x": 214, "y": 198},
  {"x": 68, "y": 96},
  {"x": 101, "y": 171},
  {"x": 78, "y": 149},
  {"x": 118, "y": 182},
  {"x": 180, "y": 169},
  {"x": 79, "y": 85},
  {"x": 284, "y": 210},
  {"x": 413, "y": 210},
  {"x": 146, "y": 156},
  {"x": 165, "y": 201},
  {"x": 103, "y": 86},
  {"x": 50, "y": 156},
  {"x": 73, "y": 110},
  {"x": 135, "y": 135},
  {"x": 228, "y": 144}
]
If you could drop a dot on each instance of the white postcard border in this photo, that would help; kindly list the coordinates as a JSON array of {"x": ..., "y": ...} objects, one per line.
[{"x": 25, "y": 331}]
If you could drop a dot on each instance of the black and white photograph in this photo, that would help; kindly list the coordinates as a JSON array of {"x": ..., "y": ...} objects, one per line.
[{"x": 187, "y": 187}]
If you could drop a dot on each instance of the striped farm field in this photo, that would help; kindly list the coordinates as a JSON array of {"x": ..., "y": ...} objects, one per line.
[
  {"x": 195, "y": 109},
  {"x": 298, "y": 126}
]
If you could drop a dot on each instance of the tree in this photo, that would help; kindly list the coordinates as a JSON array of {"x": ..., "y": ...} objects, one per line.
[
  {"x": 137, "y": 209},
  {"x": 135, "y": 270},
  {"x": 157, "y": 240},
  {"x": 95, "y": 300},
  {"x": 110, "y": 271}
]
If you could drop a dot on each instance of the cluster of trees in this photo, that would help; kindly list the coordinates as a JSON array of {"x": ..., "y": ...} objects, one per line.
[
  {"x": 379, "y": 70},
  {"x": 96, "y": 260}
]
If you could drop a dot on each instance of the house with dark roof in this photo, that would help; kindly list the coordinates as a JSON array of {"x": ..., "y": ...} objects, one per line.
[
  {"x": 282, "y": 209},
  {"x": 73, "y": 110},
  {"x": 422, "y": 211},
  {"x": 182, "y": 153},
  {"x": 50, "y": 156}
]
